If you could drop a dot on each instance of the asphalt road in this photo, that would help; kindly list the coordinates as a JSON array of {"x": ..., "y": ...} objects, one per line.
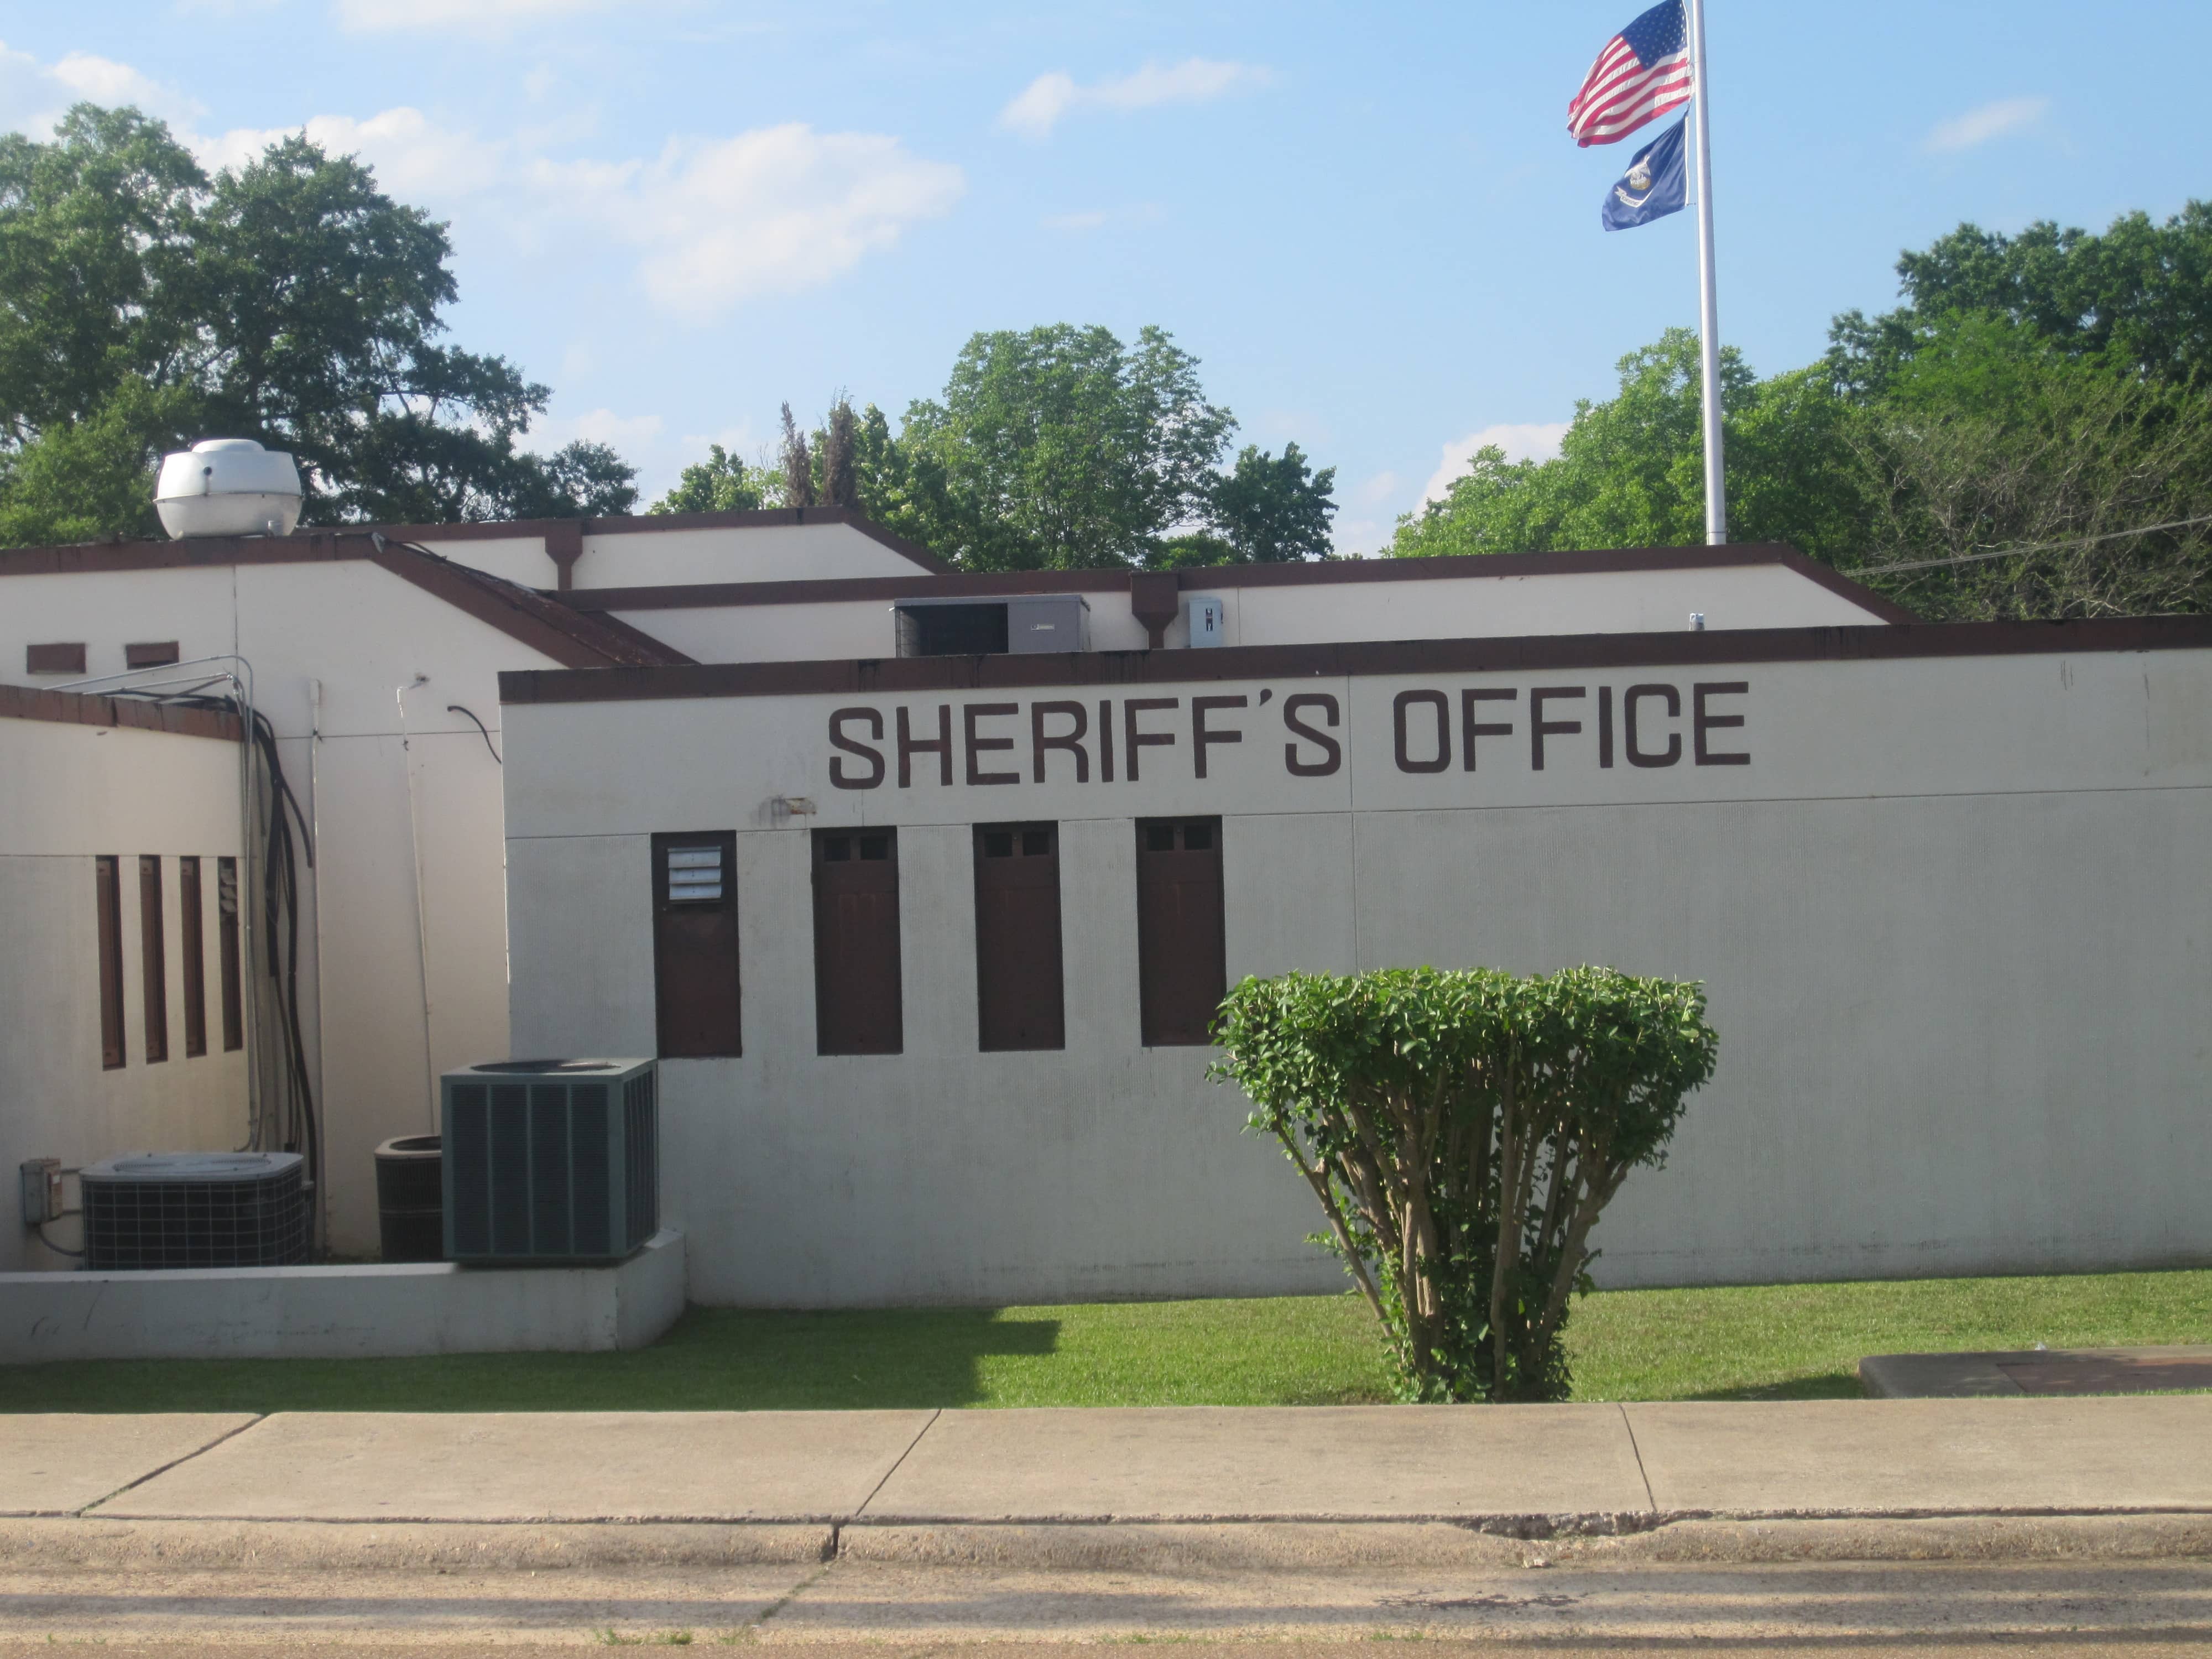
[{"x": 1830, "y": 1609}]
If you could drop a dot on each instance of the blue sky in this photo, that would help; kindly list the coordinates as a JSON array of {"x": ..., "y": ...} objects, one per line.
[{"x": 1368, "y": 222}]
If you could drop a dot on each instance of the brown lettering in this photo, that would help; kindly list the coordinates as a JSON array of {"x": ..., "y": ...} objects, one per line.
[
  {"x": 941, "y": 747},
  {"x": 1637, "y": 755},
  {"x": 1332, "y": 751},
  {"x": 969, "y": 714},
  {"x": 1132, "y": 739},
  {"x": 839, "y": 740},
  {"x": 1407, "y": 700},
  {"x": 1539, "y": 728},
  {"x": 1071, "y": 740},
  {"x": 1701, "y": 722},
  {"x": 1200, "y": 737},
  {"x": 1474, "y": 728}
]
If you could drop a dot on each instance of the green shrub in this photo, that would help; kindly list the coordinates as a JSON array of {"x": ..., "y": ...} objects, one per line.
[{"x": 1463, "y": 1131}]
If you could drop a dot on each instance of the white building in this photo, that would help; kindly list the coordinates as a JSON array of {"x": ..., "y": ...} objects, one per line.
[{"x": 1875, "y": 897}]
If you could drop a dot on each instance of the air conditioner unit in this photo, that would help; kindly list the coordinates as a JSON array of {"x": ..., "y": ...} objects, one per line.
[
  {"x": 1024, "y": 624},
  {"x": 150, "y": 1210},
  {"x": 551, "y": 1160}
]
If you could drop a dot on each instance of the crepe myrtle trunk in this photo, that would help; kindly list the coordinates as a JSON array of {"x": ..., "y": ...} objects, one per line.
[{"x": 1462, "y": 1132}]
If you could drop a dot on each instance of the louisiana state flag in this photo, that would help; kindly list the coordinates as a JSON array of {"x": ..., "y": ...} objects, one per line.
[{"x": 1654, "y": 187}]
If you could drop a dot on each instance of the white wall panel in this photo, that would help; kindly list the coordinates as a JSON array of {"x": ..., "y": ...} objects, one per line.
[{"x": 1950, "y": 918}]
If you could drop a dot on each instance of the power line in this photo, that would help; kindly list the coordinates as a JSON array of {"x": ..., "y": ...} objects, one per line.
[{"x": 2015, "y": 552}]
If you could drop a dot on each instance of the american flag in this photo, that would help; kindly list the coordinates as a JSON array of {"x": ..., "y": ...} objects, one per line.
[{"x": 1644, "y": 72}]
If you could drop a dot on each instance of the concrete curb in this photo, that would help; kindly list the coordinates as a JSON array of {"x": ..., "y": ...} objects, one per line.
[{"x": 92, "y": 1545}]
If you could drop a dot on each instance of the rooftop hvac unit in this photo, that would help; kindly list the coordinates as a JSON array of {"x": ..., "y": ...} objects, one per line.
[
  {"x": 149, "y": 1210},
  {"x": 551, "y": 1160},
  {"x": 228, "y": 487},
  {"x": 1025, "y": 624}
]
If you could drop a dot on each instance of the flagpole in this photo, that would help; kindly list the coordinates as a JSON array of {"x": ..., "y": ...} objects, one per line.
[{"x": 1709, "y": 316}]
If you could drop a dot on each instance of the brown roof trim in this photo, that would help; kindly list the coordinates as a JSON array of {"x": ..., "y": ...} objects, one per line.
[
  {"x": 640, "y": 523},
  {"x": 765, "y": 518},
  {"x": 1872, "y": 642},
  {"x": 24, "y": 702},
  {"x": 574, "y": 639},
  {"x": 1327, "y": 572},
  {"x": 352, "y": 541},
  {"x": 201, "y": 552}
]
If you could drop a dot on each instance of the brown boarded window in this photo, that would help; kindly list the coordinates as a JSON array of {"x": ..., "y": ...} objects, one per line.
[
  {"x": 191, "y": 950},
  {"x": 226, "y": 944},
  {"x": 153, "y": 964},
  {"x": 1019, "y": 997},
  {"x": 695, "y": 944},
  {"x": 1182, "y": 969},
  {"x": 107, "y": 879},
  {"x": 856, "y": 942},
  {"x": 149, "y": 653},
  {"x": 59, "y": 657}
]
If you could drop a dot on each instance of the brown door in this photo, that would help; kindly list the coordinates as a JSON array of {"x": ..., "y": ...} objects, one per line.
[
  {"x": 1181, "y": 957},
  {"x": 108, "y": 879},
  {"x": 1019, "y": 1002},
  {"x": 695, "y": 945},
  {"x": 152, "y": 959},
  {"x": 856, "y": 942}
]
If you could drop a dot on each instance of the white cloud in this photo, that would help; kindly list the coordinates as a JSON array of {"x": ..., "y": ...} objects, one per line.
[
  {"x": 1359, "y": 538},
  {"x": 1377, "y": 488},
  {"x": 35, "y": 96},
  {"x": 713, "y": 222},
  {"x": 456, "y": 16},
  {"x": 1979, "y": 126},
  {"x": 1072, "y": 221},
  {"x": 740, "y": 441},
  {"x": 414, "y": 159},
  {"x": 1537, "y": 441},
  {"x": 629, "y": 433},
  {"x": 103, "y": 80},
  {"x": 771, "y": 211},
  {"x": 1040, "y": 105}
]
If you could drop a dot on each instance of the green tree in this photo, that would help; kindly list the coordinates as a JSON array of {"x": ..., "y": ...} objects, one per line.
[
  {"x": 1631, "y": 469},
  {"x": 1463, "y": 1131},
  {"x": 721, "y": 484},
  {"x": 1274, "y": 509},
  {"x": 2140, "y": 295},
  {"x": 1056, "y": 448},
  {"x": 1991, "y": 435},
  {"x": 143, "y": 304}
]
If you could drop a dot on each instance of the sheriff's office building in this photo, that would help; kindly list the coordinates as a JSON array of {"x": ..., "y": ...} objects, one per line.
[{"x": 923, "y": 885}]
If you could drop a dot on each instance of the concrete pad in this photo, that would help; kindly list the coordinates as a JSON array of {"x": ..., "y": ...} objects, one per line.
[
  {"x": 356, "y": 1310},
  {"x": 1935, "y": 1376},
  {"x": 2037, "y": 1371},
  {"x": 537, "y": 1465},
  {"x": 1928, "y": 1457},
  {"x": 55, "y": 1463},
  {"x": 1297, "y": 1462}
]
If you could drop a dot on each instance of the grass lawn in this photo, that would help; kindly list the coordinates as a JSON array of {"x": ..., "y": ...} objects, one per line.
[{"x": 1794, "y": 1341}]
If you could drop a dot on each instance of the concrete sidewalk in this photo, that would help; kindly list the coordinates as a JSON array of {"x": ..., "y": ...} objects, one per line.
[
  {"x": 1830, "y": 1523},
  {"x": 1529, "y": 1471}
]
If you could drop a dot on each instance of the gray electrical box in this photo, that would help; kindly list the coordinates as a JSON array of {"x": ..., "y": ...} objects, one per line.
[
  {"x": 1208, "y": 623},
  {"x": 42, "y": 1191},
  {"x": 1048, "y": 622}
]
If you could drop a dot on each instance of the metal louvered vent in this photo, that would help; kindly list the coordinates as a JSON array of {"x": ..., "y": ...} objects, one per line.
[
  {"x": 694, "y": 874},
  {"x": 150, "y": 1210},
  {"x": 551, "y": 1160}
]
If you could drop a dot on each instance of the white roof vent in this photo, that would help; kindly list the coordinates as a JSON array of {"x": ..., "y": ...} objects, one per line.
[{"x": 228, "y": 487}]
